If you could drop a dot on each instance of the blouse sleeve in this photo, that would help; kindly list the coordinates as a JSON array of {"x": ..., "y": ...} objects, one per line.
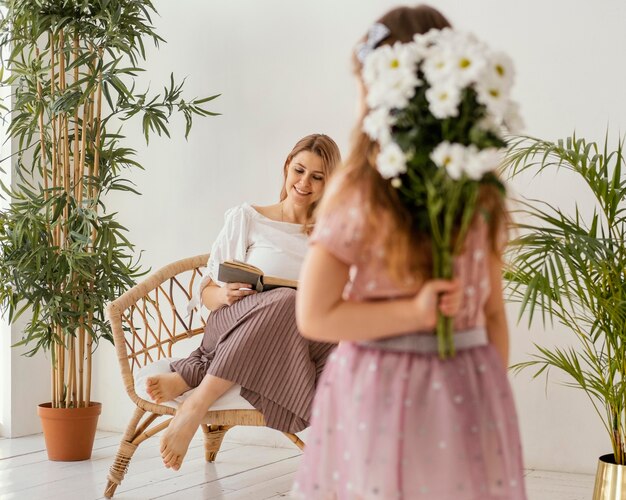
[
  {"x": 340, "y": 230},
  {"x": 231, "y": 244}
]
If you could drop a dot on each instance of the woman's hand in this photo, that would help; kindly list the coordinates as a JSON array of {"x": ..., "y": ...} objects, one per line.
[
  {"x": 233, "y": 292},
  {"x": 442, "y": 295}
]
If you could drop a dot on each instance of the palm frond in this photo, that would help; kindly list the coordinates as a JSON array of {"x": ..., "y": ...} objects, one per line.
[{"x": 573, "y": 269}]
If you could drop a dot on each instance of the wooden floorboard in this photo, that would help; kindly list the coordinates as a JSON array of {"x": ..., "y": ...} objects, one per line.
[{"x": 241, "y": 472}]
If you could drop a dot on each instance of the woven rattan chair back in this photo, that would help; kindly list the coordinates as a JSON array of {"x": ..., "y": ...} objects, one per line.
[{"x": 147, "y": 321}]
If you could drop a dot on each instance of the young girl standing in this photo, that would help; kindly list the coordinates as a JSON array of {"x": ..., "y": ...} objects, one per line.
[{"x": 391, "y": 420}]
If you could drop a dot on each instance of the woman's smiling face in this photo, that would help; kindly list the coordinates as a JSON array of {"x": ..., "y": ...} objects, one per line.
[{"x": 305, "y": 178}]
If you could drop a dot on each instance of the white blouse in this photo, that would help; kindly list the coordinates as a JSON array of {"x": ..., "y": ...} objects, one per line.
[{"x": 276, "y": 247}]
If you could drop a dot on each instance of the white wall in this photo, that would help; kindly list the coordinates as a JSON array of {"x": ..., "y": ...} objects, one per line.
[
  {"x": 283, "y": 69},
  {"x": 24, "y": 381},
  {"x": 5, "y": 330}
]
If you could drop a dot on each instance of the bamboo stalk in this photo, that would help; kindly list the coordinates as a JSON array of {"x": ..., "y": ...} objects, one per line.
[
  {"x": 53, "y": 117},
  {"x": 61, "y": 365},
  {"x": 64, "y": 181},
  {"x": 67, "y": 175},
  {"x": 59, "y": 392},
  {"x": 98, "y": 139},
  {"x": 55, "y": 369},
  {"x": 54, "y": 140},
  {"x": 42, "y": 144},
  {"x": 90, "y": 167},
  {"x": 89, "y": 356},
  {"x": 81, "y": 363},
  {"x": 58, "y": 382},
  {"x": 70, "y": 388},
  {"x": 73, "y": 378},
  {"x": 65, "y": 137},
  {"x": 83, "y": 149},
  {"x": 76, "y": 384},
  {"x": 94, "y": 192},
  {"x": 77, "y": 166},
  {"x": 53, "y": 380}
]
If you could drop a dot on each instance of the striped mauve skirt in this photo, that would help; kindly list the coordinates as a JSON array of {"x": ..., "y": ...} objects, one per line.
[{"x": 256, "y": 344}]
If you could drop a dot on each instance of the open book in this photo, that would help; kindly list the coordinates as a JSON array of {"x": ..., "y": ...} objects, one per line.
[{"x": 234, "y": 271}]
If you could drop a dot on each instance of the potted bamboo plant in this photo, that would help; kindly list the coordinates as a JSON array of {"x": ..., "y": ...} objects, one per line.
[
  {"x": 71, "y": 65},
  {"x": 572, "y": 267}
]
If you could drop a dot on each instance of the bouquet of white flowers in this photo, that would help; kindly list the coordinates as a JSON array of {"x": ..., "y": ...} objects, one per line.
[{"x": 439, "y": 106}]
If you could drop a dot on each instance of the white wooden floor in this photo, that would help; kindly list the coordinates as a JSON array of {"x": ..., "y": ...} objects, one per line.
[{"x": 241, "y": 472}]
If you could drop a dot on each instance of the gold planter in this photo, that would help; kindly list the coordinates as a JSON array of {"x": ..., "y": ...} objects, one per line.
[{"x": 610, "y": 480}]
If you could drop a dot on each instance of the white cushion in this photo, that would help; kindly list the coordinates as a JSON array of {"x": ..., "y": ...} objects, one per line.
[{"x": 230, "y": 400}]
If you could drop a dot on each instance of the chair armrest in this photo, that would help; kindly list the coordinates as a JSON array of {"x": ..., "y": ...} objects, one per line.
[{"x": 151, "y": 317}]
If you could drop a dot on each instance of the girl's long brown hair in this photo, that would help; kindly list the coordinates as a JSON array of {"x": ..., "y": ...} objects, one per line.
[{"x": 405, "y": 251}]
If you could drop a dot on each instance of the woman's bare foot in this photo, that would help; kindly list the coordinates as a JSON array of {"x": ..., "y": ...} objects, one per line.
[
  {"x": 175, "y": 441},
  {"x": 166, "y": 386}
]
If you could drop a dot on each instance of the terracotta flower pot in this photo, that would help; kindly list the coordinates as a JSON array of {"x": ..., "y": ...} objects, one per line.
[
  {"x": 69, "y": 432},
  {"x": 610, "y": 480}
]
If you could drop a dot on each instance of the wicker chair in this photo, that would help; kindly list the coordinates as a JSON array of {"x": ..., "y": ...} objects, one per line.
[{"x": 147, "y": 321}]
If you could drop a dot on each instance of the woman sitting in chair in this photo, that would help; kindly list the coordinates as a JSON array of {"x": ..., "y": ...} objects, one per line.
[{"x": 251, "y": 338}]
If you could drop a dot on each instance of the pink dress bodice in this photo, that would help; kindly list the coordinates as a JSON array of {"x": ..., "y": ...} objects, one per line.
[{"x": 341, "y": 232}]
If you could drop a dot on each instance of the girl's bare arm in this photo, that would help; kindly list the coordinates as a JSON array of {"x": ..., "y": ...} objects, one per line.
[
  {"x": 495, "y": 314},
  {"x": 323, "y": 315}
]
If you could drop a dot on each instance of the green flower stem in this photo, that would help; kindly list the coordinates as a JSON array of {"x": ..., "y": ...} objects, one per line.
[{"x": 443, "y": 270}]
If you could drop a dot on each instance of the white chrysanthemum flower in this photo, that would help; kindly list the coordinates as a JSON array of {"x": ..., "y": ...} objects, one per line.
[
  {"x": 493, "y": 95},
  {"x": 513, "y": 120},
  {"x": 409, "y": 55},
  {"x": 391, "y": 161},
  {"x": 492, "y": 159},
  {"x": 394, "y": 94},
  {"x": 437, "y": 65},
  {"x": 472, "y": 166},
  {"x": 468, "y": 64},
  {"x": 415, "y": 52},
  {"x": 375, "y": 63},
  {"x": 501, "y": 66},
  {"x": 450, "y": 156},
  {"x": 443, "y": 101},
  {"x": 390, "y": 75},
  {"x": 478, "y": 163},
  {"x": 435, "y": 36},
  {"x": 489, "y": 123},
  {"x": 377, "y": 125}
]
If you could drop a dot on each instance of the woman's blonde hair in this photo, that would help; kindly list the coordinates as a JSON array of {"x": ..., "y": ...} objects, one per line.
[
  {"x": 328, "y": 151},
  {"x": 406, "y": 249}
]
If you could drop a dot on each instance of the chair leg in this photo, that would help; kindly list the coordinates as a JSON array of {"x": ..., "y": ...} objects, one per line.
[
  {"x": 295, "y": 440},
  {"x": 213, "y": 436},
  {"x": 127, "y": 448},
  {"x": 119, "y": 468}
]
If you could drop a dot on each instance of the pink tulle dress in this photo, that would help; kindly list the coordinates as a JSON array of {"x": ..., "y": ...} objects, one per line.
[{"x": 392, "y": 424}]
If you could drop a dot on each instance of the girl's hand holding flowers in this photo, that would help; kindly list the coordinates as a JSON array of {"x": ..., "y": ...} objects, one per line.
[{"x": 436, "y": 296}]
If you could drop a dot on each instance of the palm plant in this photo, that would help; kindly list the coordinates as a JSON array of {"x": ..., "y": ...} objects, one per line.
[
  {"x": 71, "y": 67},
  {"x": 572, "y": 267}
]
